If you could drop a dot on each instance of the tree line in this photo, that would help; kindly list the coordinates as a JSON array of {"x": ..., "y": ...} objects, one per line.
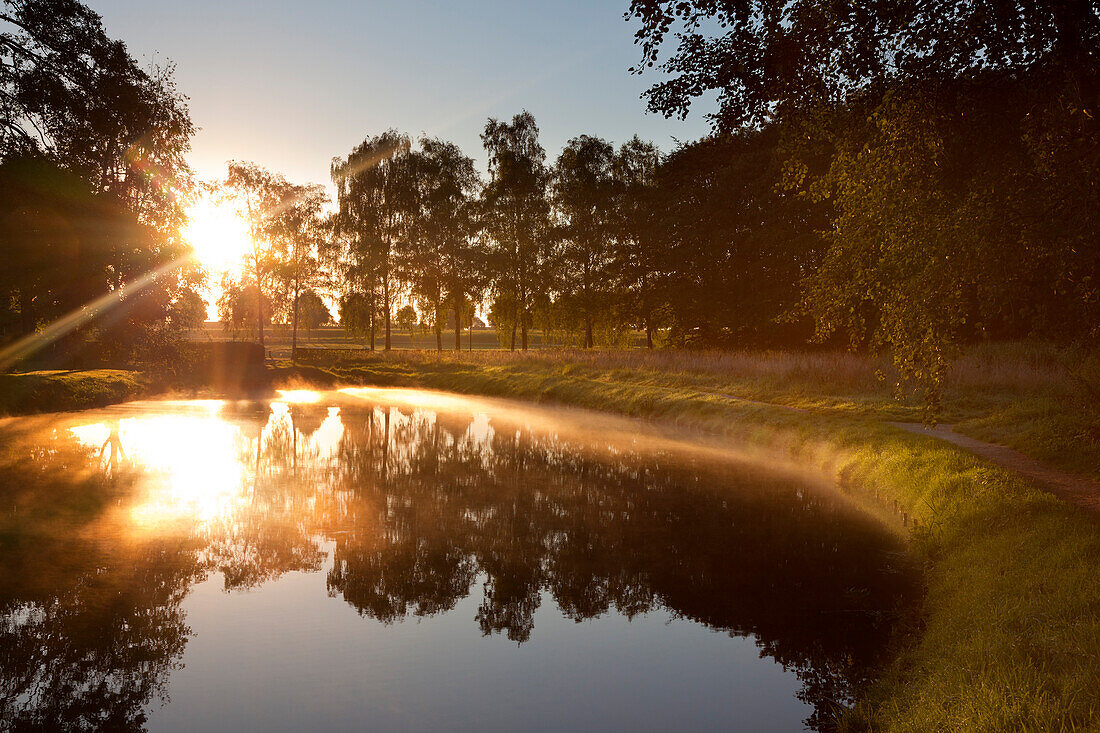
[{"x": 693, "y": 247}]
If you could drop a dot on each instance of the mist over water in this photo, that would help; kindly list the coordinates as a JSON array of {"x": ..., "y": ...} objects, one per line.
[{"x": 396, "y": 559}]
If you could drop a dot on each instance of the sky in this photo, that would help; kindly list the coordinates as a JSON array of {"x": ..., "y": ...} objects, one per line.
[{"x": 291, "y": 85}]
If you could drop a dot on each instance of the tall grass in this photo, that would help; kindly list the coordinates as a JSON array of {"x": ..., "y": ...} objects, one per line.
[{"x": 1013, "y": 369}]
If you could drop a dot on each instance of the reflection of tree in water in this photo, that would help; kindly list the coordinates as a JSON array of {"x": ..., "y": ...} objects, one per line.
[
  {"x": 270, "y": 536},
  {"x": 88, "y": 630},
  {"x": 112, "y": 452},
  {"x": 419, "y": 509},
  {"x": 739, "y": 550}
]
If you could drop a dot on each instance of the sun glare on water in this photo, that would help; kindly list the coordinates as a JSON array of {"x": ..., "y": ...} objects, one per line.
[{"x": 218, "y": 234}]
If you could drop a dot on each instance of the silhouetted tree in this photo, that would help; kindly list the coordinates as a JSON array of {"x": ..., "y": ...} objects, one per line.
[
  {"x": 516, "y": 214},
  {"x": 637, "y": 231},
  {"x": 373, "y": 191},
  {"x": 312, "y": 311},
  {"x": 582, "y": 195},
  {"x": 267, "y": 201}
]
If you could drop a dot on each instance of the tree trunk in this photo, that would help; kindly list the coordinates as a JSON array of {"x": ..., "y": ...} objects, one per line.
[
  {"x": 260, "y": 311},
  {"x": 438, "y": 328},
  {"x": 373, "y": 312},
  {"x": 515, "y": 317},
  {"x": 523, "y": 314},
  {"x": 294, "y": 332},
  {"x": 588, "y": 342},
  {"x": 458, "y": 324},
  {"x": 386, "y": 305}
]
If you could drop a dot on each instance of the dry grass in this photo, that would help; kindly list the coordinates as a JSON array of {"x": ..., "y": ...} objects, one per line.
[{"x": 1013, "y": 370}]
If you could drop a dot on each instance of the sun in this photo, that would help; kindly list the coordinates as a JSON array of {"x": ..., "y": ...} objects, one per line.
[{"x": 218, "y": 234}]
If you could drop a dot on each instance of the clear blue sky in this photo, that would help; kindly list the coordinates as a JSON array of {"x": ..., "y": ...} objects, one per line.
[{"x": 290, "y": 85}]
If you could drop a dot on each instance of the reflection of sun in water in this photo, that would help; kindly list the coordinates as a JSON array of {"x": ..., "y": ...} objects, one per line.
[
  {"x": 191, "y": 464},
  {"x": 218, "y": 234},
  {"x": 198, "y": 466}
]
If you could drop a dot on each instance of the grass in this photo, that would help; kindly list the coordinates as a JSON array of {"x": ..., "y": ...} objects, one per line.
[
  {"x": 55, "y": 391},
  {"x": 1009, "y": 633}
]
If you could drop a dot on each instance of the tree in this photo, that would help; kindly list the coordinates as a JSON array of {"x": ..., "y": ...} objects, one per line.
[
  {"x": 70, "y": 251},
  {"x": 74, "y": 96},
  {"x": 764, "y": 57},
  {"x": 449, "y": 260},
  {"x": 241, "y": 306},
  {"x": 732, "y": 245},
  {"x": 582, "y": 189},
  {"x": 516, "y": 214},
  {"x": 407, "y": 320},
  {"x": 953, "y": 223},
  {"x": 94, "y": 179},
  {"x": 637, "y": 235},
  {"x": 355, "y": 314},
  {"x": 312, "y": 311},
  {"x": 262, "y": 198},
  {"x": 951, "y": 141},
  {"x": 373, "y": 193},
  {"x": 300, "y": 234},
  {"x": 188, "y": 310}
]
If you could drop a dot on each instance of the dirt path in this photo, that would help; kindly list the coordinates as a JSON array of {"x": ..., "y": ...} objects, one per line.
[{"x": 1073, "y": 488}]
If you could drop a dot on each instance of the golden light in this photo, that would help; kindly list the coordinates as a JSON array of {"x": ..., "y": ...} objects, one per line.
[
  {"x": 191, "y": 464},
  {"x": 218, "y": 234},
  {"x": 298, "y": 396},
  {"x": 194, "y": 466}
]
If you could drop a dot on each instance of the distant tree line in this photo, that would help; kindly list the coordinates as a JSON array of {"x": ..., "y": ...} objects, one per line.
[{"x": 696, "y": 247}]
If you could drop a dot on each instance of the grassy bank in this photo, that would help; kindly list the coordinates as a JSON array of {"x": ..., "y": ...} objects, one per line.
[
  {"x": 1021, "y": 395},
  {"x": 1010, "y": 629},
  {"x": 57, "y": 391}
]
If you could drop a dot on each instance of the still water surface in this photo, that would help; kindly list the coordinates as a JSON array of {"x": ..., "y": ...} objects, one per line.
[{"x": 405, "y": 560}]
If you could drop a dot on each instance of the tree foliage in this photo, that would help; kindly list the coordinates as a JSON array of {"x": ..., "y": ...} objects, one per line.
[
  {"x": 94, "y": 179},
  {"x": 953, "y": 146}
]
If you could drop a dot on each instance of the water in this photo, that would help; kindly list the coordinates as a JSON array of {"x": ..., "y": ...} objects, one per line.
[{"x": 401, "y": 560}]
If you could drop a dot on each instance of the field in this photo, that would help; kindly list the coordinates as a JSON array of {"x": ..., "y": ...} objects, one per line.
[{"x": 277, "y": 339}]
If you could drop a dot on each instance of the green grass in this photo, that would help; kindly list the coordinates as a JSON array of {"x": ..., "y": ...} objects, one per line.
[
  {"x": 55, "y": 391},
  {"x": 1008, "y": 638}
]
